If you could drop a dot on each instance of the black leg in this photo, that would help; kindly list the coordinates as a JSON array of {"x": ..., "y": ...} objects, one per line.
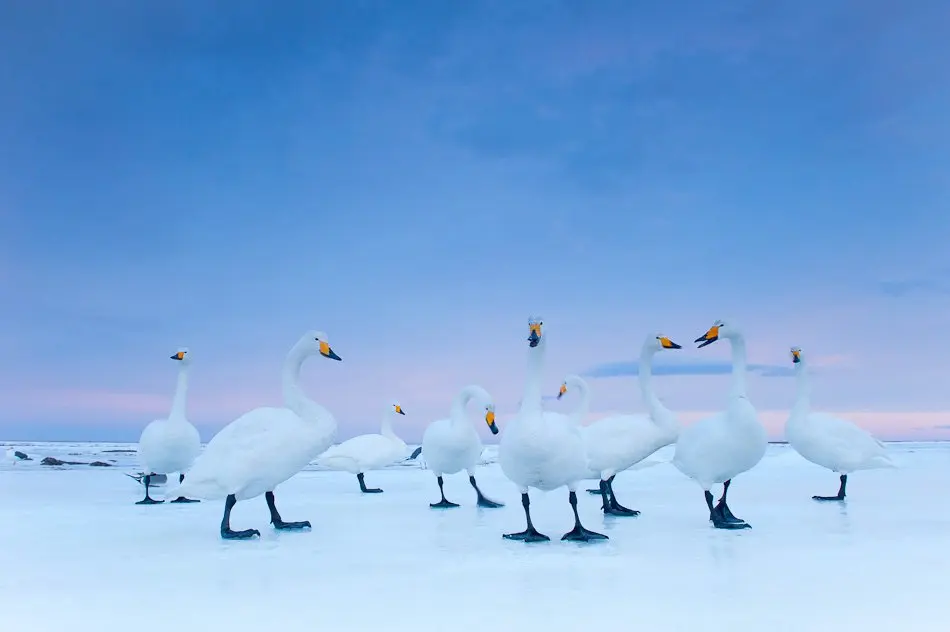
[
  {"x": 530, "y": 534},
  {"x": 148, "y": 500},
  {"x": 226, "y": 531},
  {"x": 579, "y": 533},
  {"x": 841, "y": 490},
  {"x": 442, "y": 504},
  {"x": 364, "y": 488},
  {"x": 277, "y": 521},
  {"x": 718, "y": 519},
  {"x": 482, "y": 501},
  {"x": 616, "y": 508},
  {"x": 595, "y": 492},
  {"x": 182, "y": 499},
  {"x": 724, "y": 507}
]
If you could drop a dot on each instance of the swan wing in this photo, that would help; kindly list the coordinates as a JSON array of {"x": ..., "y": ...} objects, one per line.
[
  {"x": 265, "y": 446},
  {"x": 369, "y": 450},
  {"x": 844, "y": 444}
]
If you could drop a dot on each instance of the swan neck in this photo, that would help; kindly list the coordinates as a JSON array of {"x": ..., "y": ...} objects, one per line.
[
  {"x": 658, "y": 412},
  {"x": 459, "y": 416},
  {"x": 532, "y": 389},
  {"x": 738, "y": 366},
  {"x": 181, "y": 394},
  {"x": 386, "y": 428},
  {"x": 803, "y": 389},
  {"x": 294, "y": 397},
  {"x": 583, "y": 404}
]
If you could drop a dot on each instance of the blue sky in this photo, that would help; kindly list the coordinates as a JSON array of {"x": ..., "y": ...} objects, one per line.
[{"x": 418, "y": 178}]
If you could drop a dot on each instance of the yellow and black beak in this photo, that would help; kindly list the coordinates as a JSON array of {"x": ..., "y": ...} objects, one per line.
[
  {"x": 709, "y": 337},
  {"x": 179, "y": 356},
  {"x": 796, "y": 356},
  {"x": 490, "y": 420},
  {"x": 561, "y": 392},
  {"x": 327, "y": 352},
  {"x": 535, "y": 336},
  {"x": 666, "y": 343},
  {"x": 399, "y": 410}
]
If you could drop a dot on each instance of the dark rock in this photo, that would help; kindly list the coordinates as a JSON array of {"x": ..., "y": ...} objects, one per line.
[
  {"x": 54, "y": 461},
  {"x": 100, "y": 464},
  {"x": 22, "y": 456},
  {"x": 122, "y": 451}
]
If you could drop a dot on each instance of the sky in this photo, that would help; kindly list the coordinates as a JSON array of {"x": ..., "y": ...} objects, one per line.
[{"x": 416, "y": 179}]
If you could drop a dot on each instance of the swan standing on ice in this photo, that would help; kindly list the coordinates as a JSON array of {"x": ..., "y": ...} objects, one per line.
[
  {"x": 619, "y": 442},
  {"x": 828, "y": 441},
  {"x": 266, "y": 446},
  {"x": 718, "y": 448},
  {"x": 452, "y": 445},
  {"x": 368, "y": 452},
  {"x": 170, "y": 445},
  {"x": 543, "y": 450}
]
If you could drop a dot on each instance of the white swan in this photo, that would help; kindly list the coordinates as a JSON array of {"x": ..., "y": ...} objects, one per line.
[
  {"x": 172, "y": 444},
  {"x": 828, "y": 441},
  {"x": 368, "y": 451},
  {"x": 452, "y": 445},
  {"x": 265, "y": 446},
  {"x": 543, "y": 450},
  {"x": 619, "y": 442},
  {"x": 718, "y": 448}
]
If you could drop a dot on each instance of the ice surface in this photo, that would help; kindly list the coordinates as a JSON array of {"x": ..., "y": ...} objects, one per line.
[{"x": 78, "y": 554}]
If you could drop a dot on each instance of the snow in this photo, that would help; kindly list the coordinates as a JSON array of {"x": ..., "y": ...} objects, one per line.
[{"x": 78, "y": 553}]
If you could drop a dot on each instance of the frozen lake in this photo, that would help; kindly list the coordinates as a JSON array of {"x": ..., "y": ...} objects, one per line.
[{"x": 78, "y": 554}]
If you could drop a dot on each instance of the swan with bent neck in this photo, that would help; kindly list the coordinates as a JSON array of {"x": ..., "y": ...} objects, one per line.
[
  {"x": 265, "y": 446},
  {"x": 543, "y": 449},
  {"x": 718, "y": 448},
  {"x": 619, "y": 442},
  {"x": 172, "y": 444},
  {"x": 828, "y": 441},
  {"x": 452, "y": 445},
  {"x": 369, "y": 451}
]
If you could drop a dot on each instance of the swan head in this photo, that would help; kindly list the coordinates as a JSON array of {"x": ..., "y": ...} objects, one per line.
[
  {"x": 317, "y": 342},
  {"x": 397, "y": 409},
  {"x": 719, "y": 329},
  {"x": 575, "y": 380},
  {"x": 659, "y": 342},
  {"x": 182, "y": 355},
  {"x": 534, "y": 327},
  {"x": 796, "y": 355},
  {"x": 563, "y": 390},
  {"x": 490, "y": 418}
]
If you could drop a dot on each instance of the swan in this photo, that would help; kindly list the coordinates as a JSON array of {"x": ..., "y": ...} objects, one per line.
[
  {"x": 543, "y": 450},
  {"x": 265, "y": 446},
  {"x": 452, "y": 445},
  {"x": 368, "y": 451},
  {"x": 828, "y": 441},
  {"x": 619, "y": 442},
  {"x": 720, "y": 447},
  {"x": 172, "y": 444}
]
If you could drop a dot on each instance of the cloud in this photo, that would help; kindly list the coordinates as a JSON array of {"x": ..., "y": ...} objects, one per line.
[
  {"x": 941, "y": 427},
  {"x": 622, "y": 369}
]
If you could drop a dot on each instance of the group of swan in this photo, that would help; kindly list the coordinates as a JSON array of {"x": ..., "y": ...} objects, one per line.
[{"x": 539, "y": 449}]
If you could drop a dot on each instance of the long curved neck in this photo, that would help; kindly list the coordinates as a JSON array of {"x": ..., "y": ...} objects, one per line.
[
  {"x": 579, "y": 414},
  {"x": 738, "y": 367},
  {"x": 294, "y": 397},
  {"x": 181, "y": 394},
  {"x": 386, "y": 428},
  {"x": 803, "y": 389},
  {"x": 532, "y": 388},
  {"x": 458, "y": 415},
  {"x": 658, "y": 412}
]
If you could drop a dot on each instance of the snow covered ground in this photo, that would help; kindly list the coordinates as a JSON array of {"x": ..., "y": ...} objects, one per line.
[{"x": 78, "y": 554}]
